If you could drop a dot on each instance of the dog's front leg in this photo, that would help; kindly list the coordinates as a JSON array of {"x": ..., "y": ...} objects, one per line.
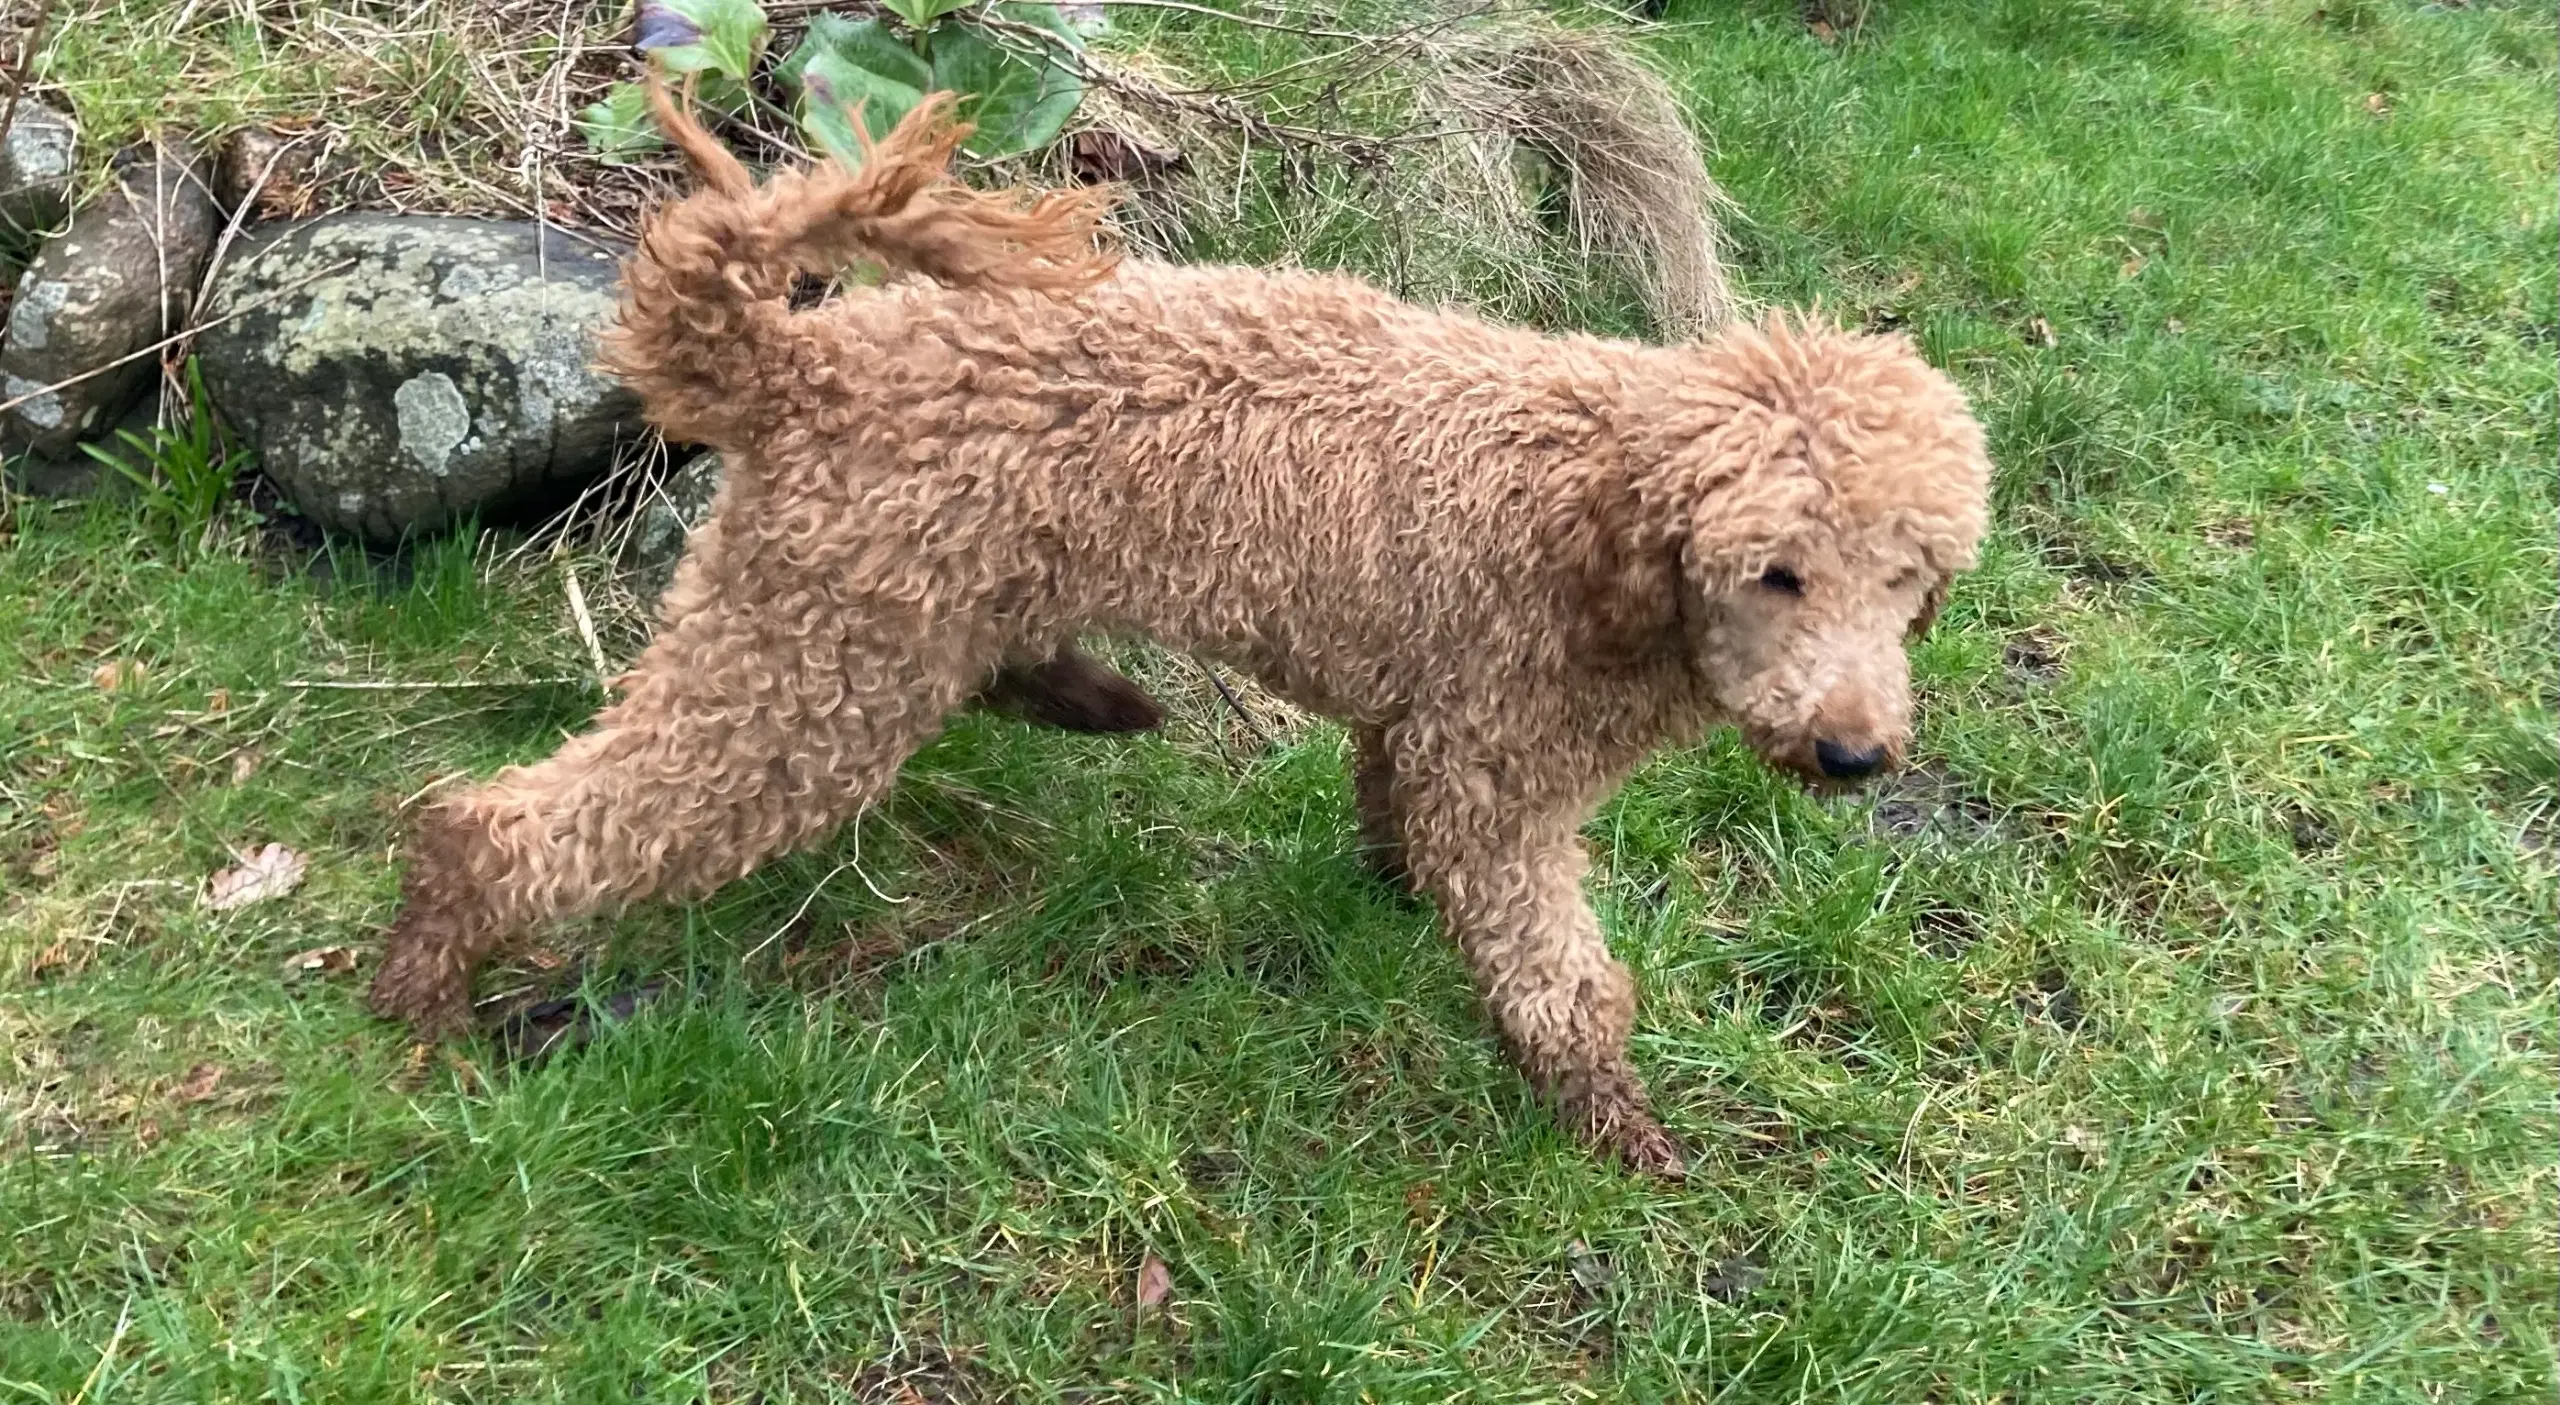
[
  {"x": 733, "y": 743},
  {"x": 1510, "y": 890}
]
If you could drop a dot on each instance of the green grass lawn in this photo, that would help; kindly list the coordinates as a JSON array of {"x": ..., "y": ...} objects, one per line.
[{"x": 2182, "y": 1031}]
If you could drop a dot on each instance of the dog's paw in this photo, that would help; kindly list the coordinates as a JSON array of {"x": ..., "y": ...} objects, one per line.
[
  {"x": 1648, "y": 1149},
  {"x": 1608, "y": 1114},
  {"x": 421, "y": 992}
]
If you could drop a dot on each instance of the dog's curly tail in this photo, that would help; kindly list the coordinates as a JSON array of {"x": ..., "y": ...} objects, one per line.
[{"x": 712, "y": 278}]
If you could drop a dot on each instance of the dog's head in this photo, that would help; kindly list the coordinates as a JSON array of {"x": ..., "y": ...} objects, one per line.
[{"x": 1787, "y": 512}]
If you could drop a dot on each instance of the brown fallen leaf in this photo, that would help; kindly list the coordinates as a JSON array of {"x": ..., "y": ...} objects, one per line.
[
  {"x": 244, "y": 765},
  {"x": 217, "y": 702},
  {"x": 2379, "y": 104},
  {"x": 199, "y": 1083},
  {"x": 2043, "y": 331},
  {"x": 465, "y": 1073},
  {"x": 2237, "y": 533},
  {"x": 1823, "y": 31},
  {"x": 117, "y": 674},
  {"x": 271, "y": 872},
  {"x": 544, "y": 959},
  {"x": 413, "y": 1068},
  {"x": 321, "y": 960},
  {"x": 2132, "y": 265},
  {"x": 51, "y": 958},
  {"x": 1155, "y": 1283}
]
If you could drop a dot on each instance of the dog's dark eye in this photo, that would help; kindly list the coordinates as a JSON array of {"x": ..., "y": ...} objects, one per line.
[{"x": 1782, "y": 580}]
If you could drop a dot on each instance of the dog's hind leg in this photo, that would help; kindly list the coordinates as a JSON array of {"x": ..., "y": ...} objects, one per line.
[
  {"x": 736, "y": 740},
  {"x": 1072, "y": 690},
  {"x": 1373, "y": 792},
  {"x": 1508, "y": 877}
]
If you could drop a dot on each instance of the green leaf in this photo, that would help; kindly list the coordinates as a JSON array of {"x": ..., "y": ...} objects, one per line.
[
  {"x": 841, "y": 63},
  {"x": 1018, "y": 102},
  {"x": 703, "y": 36},
  {"x": 1053, "y": 18},
  {"x": 868, "y": 44},
  {"x": 920, "y": 13},
  {"x": 620, "y": 129},
  {"x": 722, "y": 93}
]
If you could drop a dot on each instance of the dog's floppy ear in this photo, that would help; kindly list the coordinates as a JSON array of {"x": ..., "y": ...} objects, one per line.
[
  {"x": 1930, "y": 605},
  {"x": 1620, "y": 566},
  {"x": 1754, "y": 503}
]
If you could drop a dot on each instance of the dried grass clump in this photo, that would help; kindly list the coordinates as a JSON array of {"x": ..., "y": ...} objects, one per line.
[
  {"x": 1493, "y": 158},
  {"x": 1635, "y": 181}
]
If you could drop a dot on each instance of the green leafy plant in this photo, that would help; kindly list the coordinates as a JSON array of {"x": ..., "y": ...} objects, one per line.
[
  {"x": 1010, "y": 63},
  {"x": 720, "y": 38},
  {"x": 619, "y": 128},
  {"x": 185, "y": 474},
  {"x": 717, "y": 43}
]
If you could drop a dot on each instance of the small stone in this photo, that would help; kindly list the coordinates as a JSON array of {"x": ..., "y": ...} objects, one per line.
[
  {"x": 1104, "y": 154},
  {"x": 398, "y": 372},
  {"x": 36, "y": 165},
  {"x": 280, "y": 171},
  {"x": 1734, "y": 1279},
  {"x": 73, "y": 472},
  {"x": 680, "y": 504},
  {"x": 120, "y": 278},
  {"x": 1592, "y": 1271}
]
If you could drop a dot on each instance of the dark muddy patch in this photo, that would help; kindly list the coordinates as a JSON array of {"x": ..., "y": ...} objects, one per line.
[{"x": 1930, "y": 801}]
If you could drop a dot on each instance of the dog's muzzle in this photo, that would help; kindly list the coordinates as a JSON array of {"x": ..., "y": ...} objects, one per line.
[{"x": 1847, "y": 763}]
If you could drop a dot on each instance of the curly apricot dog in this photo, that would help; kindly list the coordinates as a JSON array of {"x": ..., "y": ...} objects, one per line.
[{"x": 1513, "y": 564}]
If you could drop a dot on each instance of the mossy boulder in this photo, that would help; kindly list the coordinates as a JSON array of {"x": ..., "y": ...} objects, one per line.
[{"x": 396, "y": 373}]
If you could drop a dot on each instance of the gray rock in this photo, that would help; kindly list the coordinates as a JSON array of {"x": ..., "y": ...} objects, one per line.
[
  {"x": 36, "y": 165},
  {"x": 120, "y": 278},
  {"x": 682, "y": 501},
  {"x": 396, "y": 372},
  {"x": 75, "y": 473}
]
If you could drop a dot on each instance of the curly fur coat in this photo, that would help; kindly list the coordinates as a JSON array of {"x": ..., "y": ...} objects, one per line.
[{"x": 1513, "y": 564}]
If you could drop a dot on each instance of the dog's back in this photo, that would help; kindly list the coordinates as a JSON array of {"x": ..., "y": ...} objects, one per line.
[{"x": 1289, "y": 469}]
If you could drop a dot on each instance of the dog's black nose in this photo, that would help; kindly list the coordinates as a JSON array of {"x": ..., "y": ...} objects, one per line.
[{"x": 1841, "y": 764}]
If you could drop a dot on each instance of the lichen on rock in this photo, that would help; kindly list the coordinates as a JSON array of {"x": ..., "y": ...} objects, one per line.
[{"x": 395, "y": 373}]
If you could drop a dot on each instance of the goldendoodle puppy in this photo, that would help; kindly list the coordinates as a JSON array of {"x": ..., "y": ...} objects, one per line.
[{"x": 1513, "y": 564}]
